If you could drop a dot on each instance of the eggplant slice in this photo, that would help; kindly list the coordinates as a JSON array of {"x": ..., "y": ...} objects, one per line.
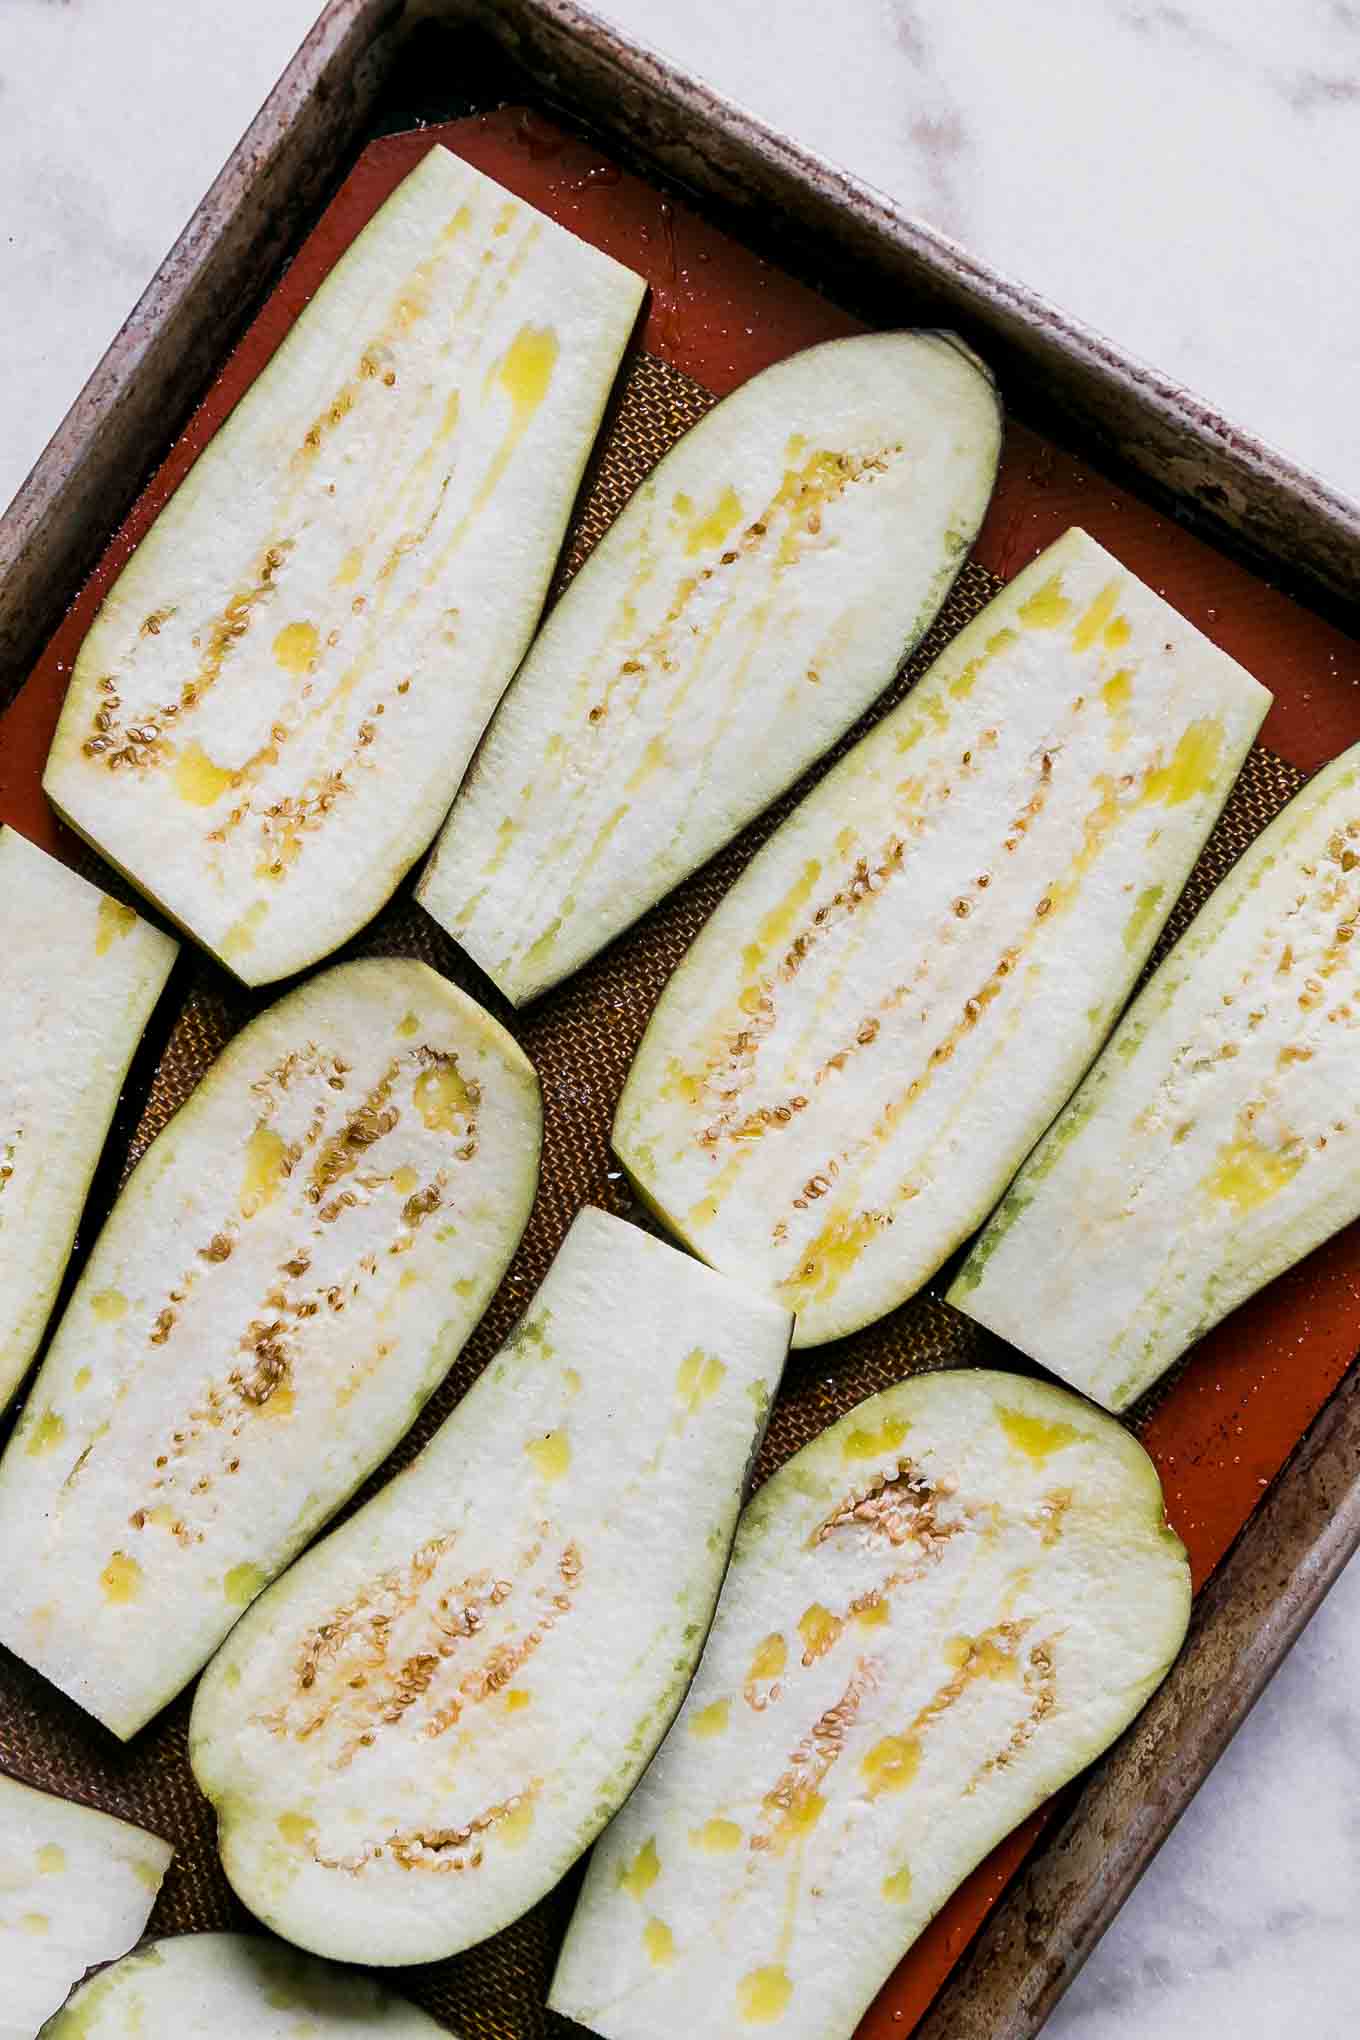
[
  {"x": 81, "y": 976},
  {"x": 76, "y": 1888},
  {"x": 234, "y": 1987},
  {"x": 899, "y": 993},
  {"x": 289, "y": 1272},
  {"x": 1216, "y": 1141},
  {"x": 423, "y": 1725},
  {"x": 936, "y": 1614},
  {"x": 278, "y": 698},
  {"x": 762, "y": 586}
]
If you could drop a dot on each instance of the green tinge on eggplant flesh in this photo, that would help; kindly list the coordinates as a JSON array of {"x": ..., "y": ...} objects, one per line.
[
  {"x": 761, "y": 587},
  {"x": 1216, "y": 1141},
  {"x": 936, "y": 1614},
  {"x": 276, "y": 702},
  {"x": 76, "y": 1888},
  {"x": 901, "y": 990},
  {"x": 79, "y": 976},
  {"x": 288, "y": 1273},
  {"x": 234, "y": 1987},
  {"x": 413, "y": 1736}
]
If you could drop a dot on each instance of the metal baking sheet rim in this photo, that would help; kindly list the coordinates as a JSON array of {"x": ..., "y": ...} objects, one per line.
[{"x": 1308, "y": 1524}]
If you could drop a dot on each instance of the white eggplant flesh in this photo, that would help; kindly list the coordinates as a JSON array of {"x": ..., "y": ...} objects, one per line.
[
  {"x": 280, "y": 694},
  {"x": 1216, "y": 1141},
  {"x": 937, "y": 1613},
  {"x": 421, "y": 1727},
  {"x": 289, "y": 1272},
  {"x": 76, "y": 1888},
  {"x": 904, "y": 986},
  {"x": 234, "y": 1987},
  {"x": 81, "y": 975},
  {"x": 763, "y": 585}
]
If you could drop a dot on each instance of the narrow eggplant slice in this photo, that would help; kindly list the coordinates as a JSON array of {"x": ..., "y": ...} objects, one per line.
[
  {"x": 760, "y": 589},
  {"x": 275, "y": 704},
  {"x": 1216, "y": 1141},
  {"x": 76, "y": 1888},
  {"x": 423, "y": 1725},
  {"x": 937, "y": 1613},
  {"x": 80, "y": 976},
  {"x": 291, "y": 1269},
  {"x": 901, "y": 990},
  {"x": 234, "y": 1987}
]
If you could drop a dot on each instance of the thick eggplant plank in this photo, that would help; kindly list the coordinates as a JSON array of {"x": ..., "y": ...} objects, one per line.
[
  {"x": 273, "y": 709},
  {"x": 413, "y": 1736},
  {"x": 760, "y": 589},
  {"x": 938, "y": 1612},
  {"x": 1216, "y": 1141},
  {"x": 897, "y": 996},
  {"x": 234, "y": 1987},
  {"x": 76, "y": 1888},
  {"x": 290, "y": 1271},
  {"x": 80, "y": 975}
]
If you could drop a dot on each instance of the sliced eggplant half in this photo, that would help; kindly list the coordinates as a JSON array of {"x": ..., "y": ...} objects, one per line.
[
  {"x": 1216, "y": 1141},
  {"x": 289, "y": 1272},
  {"x": 234, "y": 1987},
  {"x": 76, "y": 1888},
  {"x": 80, "y": 976},
  {"x": 901, "y": 990},
  {"x": 273, "y": 708},
  {"x": 412, "y": 1737},
  {"x": 937, "y": 1613},
  {"x": 760, "y": 589}
]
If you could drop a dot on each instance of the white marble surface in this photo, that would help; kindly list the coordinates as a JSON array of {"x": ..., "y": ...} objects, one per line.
[
  {"x": 1183, "y": 176},
  {"x": 115, "y": 116},
  {"x": 1247, "y": 1926}
]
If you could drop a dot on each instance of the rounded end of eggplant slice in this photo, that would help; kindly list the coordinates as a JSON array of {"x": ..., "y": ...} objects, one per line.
[{"x": 219, "y": 1986}]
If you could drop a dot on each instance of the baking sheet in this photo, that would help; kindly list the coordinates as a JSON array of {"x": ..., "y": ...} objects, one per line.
[{"x": 1219, "y": 1431}]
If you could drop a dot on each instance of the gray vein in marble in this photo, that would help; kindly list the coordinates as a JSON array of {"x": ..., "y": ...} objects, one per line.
[
  {"x": 939, "y": 130},
  {"x": 1308, "y": 89},
  {"x": 1154, "y": 20}
]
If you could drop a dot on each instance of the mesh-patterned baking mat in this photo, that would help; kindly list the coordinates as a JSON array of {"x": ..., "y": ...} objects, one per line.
[{"x": 581, "y": 1039}]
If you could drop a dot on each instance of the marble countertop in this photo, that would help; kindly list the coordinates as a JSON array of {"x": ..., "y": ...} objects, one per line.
[{"x": 1181, "y": 176}]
